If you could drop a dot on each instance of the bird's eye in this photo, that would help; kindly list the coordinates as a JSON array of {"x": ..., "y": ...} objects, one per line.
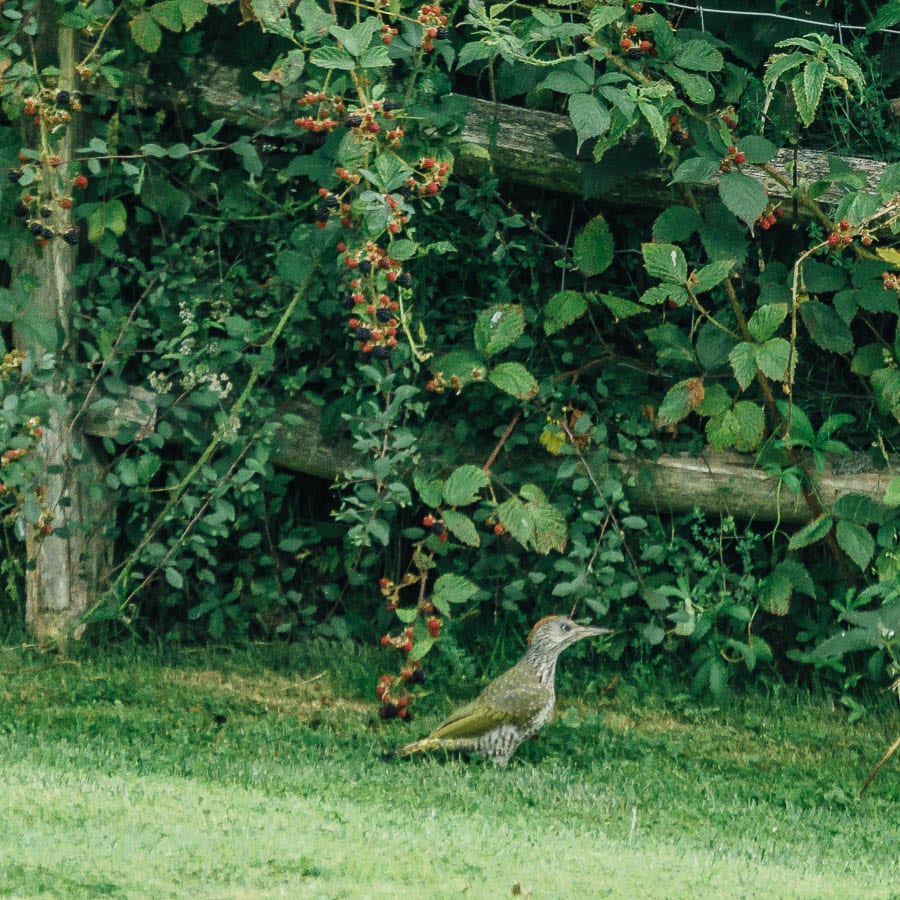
[{"x": 563, "y": 626}]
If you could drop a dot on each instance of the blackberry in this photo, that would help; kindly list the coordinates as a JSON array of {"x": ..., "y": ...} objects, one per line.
[
  {"x": 45, "y": 232},
  {"x": 71, "y": 236},
  {"x": 323, "y": 213},
  {"x": 352, "y": 121},
  {"x": 383, "y": 314},
  {"x": 417, "y": 677},
  {"x": 14, "y": 175},
  {"x": 63, "y": 98},
  {"x": 347, "y": 301},
  {"x": 405, "y": 192},
  {"x": 331, "y": 202},
  {"x": 404, "y": 279},
  {"x": 678, "y": 138},
  {"x": 438, "y": 528},
  {"x": 381, "y": 352},
  {"x": 441, "y": 33},
  {"x": 635, "y": 53},
  {"x": 365, "y": 266},
  {"x": 46, "y": 212},
  {"x": 390, "y": 105},
  {"x": 35, "y": 228},
  {"x": 363, "y": 333},
  {"x": 21, "y": 211},
  {"x": 388, "y": 711}
]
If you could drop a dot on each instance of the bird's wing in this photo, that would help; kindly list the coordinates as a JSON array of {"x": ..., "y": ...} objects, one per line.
[{"x": 504, "y": 701}]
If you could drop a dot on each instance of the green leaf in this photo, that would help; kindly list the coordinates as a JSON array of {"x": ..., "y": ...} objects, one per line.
[
  {"x": 765, "y": 321},
  {"x": 811, "y": 532},
  {"x": 167, "y": 14},
  {"x": 498, "y": 327},
  {"x": 294, "y": 267},
  {"x": 563, "y": 309},
  {"x": 453, "y": 589},
  {"x": 601, "y": 16},
  {"x": 697, "y": 170},
  {"x": 775, "y": 593},
  {"x": 174, "y": 578},
  {"x": 886, "y": 17},
  {"x": 677, "y": 223},
  {"x": 533, "y": 521},
  {"x": 273, "y": 16},
  {"x": 723, "y": 237},
  {"x": 460, "y": 364},
  {"x": 247, "y": 154},
  {"x": 589, "y": 116},
  {"x": 743, "y": 196},
  {"x": 743, "y": 363},
  {"x": 826, "y": 327},
  {"x": 376, "y": 58},
  {"x": 781, "y": 63},
  {"x": 772, "y": 358},
  {"x": 463, "y": 484},
  {"x": 461, "y": 527},
  {"x": 514, "y": 379},
  {"x": 566, "y": 82},
  {"x": 892, "y": 494},
  {"x": 821, "y": 278},
  {"x": 699, "y": 55},
  {"x": 192, "y": 12},
  {"x": 665, "y": 261},
  {"x": 110, "y": 215},
  {"x": 711, "y": 275},
  {"x": 698, "y": 89},
  {"x": 741, "y": 428},
  {"x": 757, "y": 149},
  {"x": 657, "y": 124},
  {"x": 673, "y": 345},
  {"x": 145, "y": 32},
  {"x": 807, "y": 89},
  {"x": 332, "y": 58},
  {"x": 856, "y": 542},
  {"x": 431, "y": 492},
  {"x": 620, "y": 308},
  {"x": 593, "y": 247},
  {"x": 681, "y": 399}
]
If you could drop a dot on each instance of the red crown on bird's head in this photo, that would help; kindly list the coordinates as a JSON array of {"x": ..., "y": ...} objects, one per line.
[{"x": 538, "y": 625}]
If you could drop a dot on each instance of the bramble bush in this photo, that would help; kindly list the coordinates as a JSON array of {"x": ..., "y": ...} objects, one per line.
[{"x": 485, "y": 364}]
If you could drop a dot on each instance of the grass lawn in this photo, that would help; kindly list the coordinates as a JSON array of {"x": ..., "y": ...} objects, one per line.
[{"x": 259, "y": 773}]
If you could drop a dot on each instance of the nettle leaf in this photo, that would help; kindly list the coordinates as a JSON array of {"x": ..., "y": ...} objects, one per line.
[
  {"x": 463, "y": 484},
  {"x": 677, "y": 223},
  {"x": 744, "y": 196},
  {"x": 826, "y": 327},
  {"x": 665, "y": 261},
  {"x": 773, "y": 357},
  {"x": 757, "y": 149},
  {"x": 145, "y": 32},
  {"x": 811, "y": 532},
  {"x": 498, "y": 327},
  {"x": 593, "y": 247},
  {"x": 807, "y": 89},
  {"x": 589, "y": 116},
  {"x": 563, "y": 309},
  {"x": 781, "y": 63},
  {"x": 856, "y": 542},
  {"x": 740, "y": 428},
  {"x": 711, "y": 275},
  {"x": 698, "y": 170},
  {"x": 461, "y": 527},
  {"x": 699, "y": 55},
  {"x": 453, "y": 589},
  {"x": 514, "y": 379},
  {"x": 765, "y": 321},
  {"x": 743, "y": 363}
]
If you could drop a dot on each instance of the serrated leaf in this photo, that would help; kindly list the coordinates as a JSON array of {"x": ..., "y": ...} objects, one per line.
[
  {"x": 680, "y": 400},
  {"x": 192, "y": 12},
  {"x": 461, "y": 365},
  {"x": 463, "y": 484},
  {"x": 811, "y": 532},
  {"x": 697, "y": 170},
  {"x": 740, "y": 428},
  {"x": 772, "y": 358},
  {"x": 451, "y": 588},
  {"x": 665, "y": 261},
  {"x": 593, "y": 247},
  {"x": 514, "y": 379},
  {"x": 657, "y": 124},
  {"x": 145, "y": 32},
  {"x": 332, "y": 58},
  {"x": 743, "y": 363},
  {"x": 589, "y": 116},
  {"x": 698, "y": 89},
  {"x": 461, "y": 527},
  {"x": 757, "y": 149},
  {"x": 498, "y": 327},
  {"x": 375, "y": 58},
  {"x": 856, "y": 542},
  {"x": 110, "y": 215},
  {"x": 430, "y": 491},
  {"x": 563, "y": 309},
  {"x": 620, "y": 308},
  {"x": 601, "y": 16},
  {"x": 167, "y": 14},
  {"x": 826, "y": 327},
  {"x": 807, "y": 89},
  {"x": 743, "y": 196},
  {"x": 565, "y": 82},
  {"x": 699, "y": 55},
  {"x": 775, "y": 593},
  {"x": 766, "y": 320},
  {"x": 677, "y": 223},
  {"x": 781, "y": 63},
  {"x": 712, "y": 274},
  {"x": 273, "y": 16}
]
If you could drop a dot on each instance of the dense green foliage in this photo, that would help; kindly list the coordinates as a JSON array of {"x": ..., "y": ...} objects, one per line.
[
  {"x": 258, "y": 772},
  {"x": 484, "y": 357}
]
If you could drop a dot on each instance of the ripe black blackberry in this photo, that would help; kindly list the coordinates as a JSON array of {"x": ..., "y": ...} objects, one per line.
[
  {"x": 45, "y": 232},
  {"x": 381, "y": 352},
  {"x": 404, "y": 279},
  {"x": 417, "y": 677},
  {"x": 390, "y": 105},
  {"x": 438, "y": 528},
  {"x": 21, "y": 211},
  {"x": 35, "y": 228},
  {"x": 679, "y": 138},
  {"x": 14, "y": 175},
  {"x": 635, "y": 53},
  {"x": 46, "y": 212},
  {"x": 322, "y": 214},
  {"x": 365, "y": 266},
  {"x": 347, "y": 301},
  {"x": 363, "y": 333},
  {"x": 63, "y": 98},
  {"x": 383, "y": 314},
  {"x": 442, "y": 33},
  {"x": 331, "y": 201},
  {"x": 388, "y": 711},
  {"x": 70, "y": 236},
  {"x": 354, "y": 120}
]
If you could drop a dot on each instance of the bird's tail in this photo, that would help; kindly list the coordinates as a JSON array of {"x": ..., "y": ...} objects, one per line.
[{"x": 421, "y": 746}]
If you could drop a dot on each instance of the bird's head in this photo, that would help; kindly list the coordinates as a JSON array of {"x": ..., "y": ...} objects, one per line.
[{"x": 553, "y": 634}]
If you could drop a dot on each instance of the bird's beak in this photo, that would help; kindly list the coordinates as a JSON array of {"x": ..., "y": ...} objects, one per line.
[{"x": 592, "y": 631}]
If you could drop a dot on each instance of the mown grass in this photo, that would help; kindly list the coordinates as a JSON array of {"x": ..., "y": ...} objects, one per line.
[{"x": 259, "y": 773}]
